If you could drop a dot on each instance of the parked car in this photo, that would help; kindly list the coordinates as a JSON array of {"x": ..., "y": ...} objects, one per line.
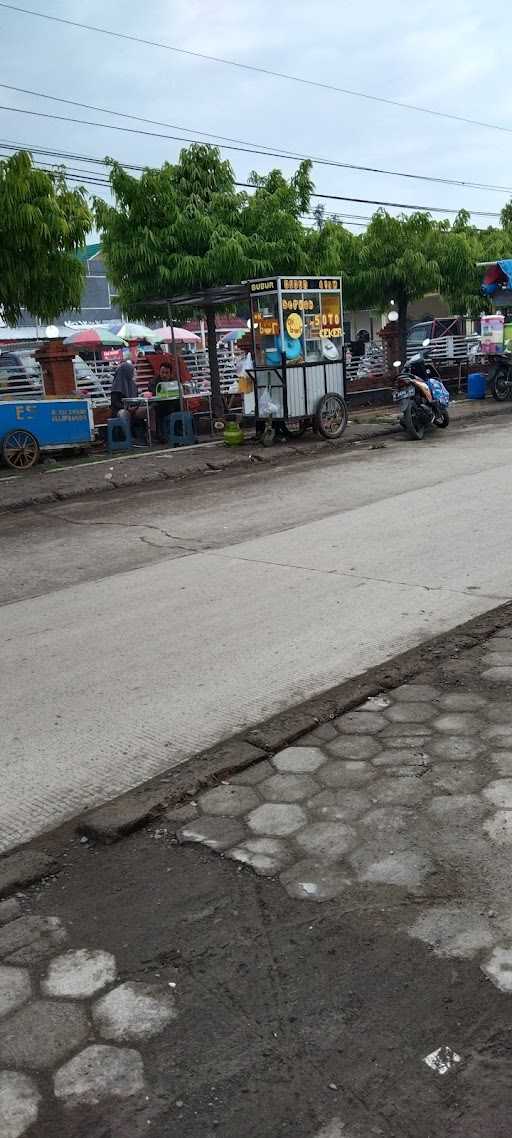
[
  {"x": 20, "y": 374},
  {"x": 436, "y": 329},
  {"x": 19, "y": 371}
]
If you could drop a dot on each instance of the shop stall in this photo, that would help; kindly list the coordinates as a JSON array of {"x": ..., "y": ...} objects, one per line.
[
  {"x": 294, "y": 376},
  {"x": 297, "y": 369}
]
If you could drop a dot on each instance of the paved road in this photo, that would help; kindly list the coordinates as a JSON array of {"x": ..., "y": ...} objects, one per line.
[
  {"x": 321, "y": 993},
  {"x": 138, "y": 630}
]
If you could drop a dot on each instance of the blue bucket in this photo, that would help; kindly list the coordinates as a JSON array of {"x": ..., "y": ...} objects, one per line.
[{"x": 477, "y": 384}]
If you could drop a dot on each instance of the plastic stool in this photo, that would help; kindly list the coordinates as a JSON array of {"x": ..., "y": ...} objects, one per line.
[
  {"x": 179, "y": 429},
  {"x": 114, "y": 427}
]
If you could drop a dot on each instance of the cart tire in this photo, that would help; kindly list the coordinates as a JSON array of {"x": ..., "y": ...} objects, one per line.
[
  {"x": 331, "y": 416},
  {"x": 20, "y": 449},
  {"x": 267, "y": 438},
  {"x": 294, "y": 430}
]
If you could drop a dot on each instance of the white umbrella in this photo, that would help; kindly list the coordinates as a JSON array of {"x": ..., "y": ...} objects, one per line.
[{"x": 164, "y": 335}]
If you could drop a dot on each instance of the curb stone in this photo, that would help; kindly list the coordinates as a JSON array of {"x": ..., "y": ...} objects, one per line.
[
  {"x": 24, "y": 867},
  {"x": 132, "y": 810},
  {"x": 124, "y": 815},
  {"x": 179, "y": 785}
]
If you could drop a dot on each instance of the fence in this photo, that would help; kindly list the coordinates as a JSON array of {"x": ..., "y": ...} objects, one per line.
[
  {"x": 21, "y": 376},
  {"x": 25, "y": 381},
  {"x": 449, "y": 352}
]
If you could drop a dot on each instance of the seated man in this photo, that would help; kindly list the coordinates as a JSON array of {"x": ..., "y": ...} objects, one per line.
[{"x": 166, "y": 406}]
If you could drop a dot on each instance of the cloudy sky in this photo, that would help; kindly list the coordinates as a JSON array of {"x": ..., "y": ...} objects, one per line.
[{"x": 446, "y": 55}]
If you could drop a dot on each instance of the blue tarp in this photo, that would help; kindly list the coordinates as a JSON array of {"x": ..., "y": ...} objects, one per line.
[
  {"x": 506, "y": 267},
  {"x": 497, "y": 277}
]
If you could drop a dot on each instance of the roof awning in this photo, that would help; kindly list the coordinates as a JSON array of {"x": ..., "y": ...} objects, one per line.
[{"x": 219, "y": 297}]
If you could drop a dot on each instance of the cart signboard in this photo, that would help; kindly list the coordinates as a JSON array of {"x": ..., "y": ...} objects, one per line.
[{"x": 298, "y": 315}]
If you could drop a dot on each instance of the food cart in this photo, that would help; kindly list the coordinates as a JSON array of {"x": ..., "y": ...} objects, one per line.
[
  {"x": 297, "y": 370},
  {"x": 295, "y": 376},
  {"x": 30, "y": 426}
]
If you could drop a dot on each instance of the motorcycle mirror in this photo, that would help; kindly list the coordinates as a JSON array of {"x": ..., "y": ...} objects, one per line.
[
  {"x": 397, "y": 363},
  {"x": 426, "y": 343}
]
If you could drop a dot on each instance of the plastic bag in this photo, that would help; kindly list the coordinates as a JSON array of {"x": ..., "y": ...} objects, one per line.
[
  {"x": 244, "y": 365},
  {"x": 266, "y": 405},
  {"x": 439, "y": 392}
]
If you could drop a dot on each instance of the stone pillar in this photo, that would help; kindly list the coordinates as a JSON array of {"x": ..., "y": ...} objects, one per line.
[
  {"x": 390, "y": 335},
  {"x": 56, "y": 359}
]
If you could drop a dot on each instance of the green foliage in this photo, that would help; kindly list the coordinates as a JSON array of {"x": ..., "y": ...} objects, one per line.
[
  {"x": 42, "y": 225},
  {"x": 185, "y": 227}
]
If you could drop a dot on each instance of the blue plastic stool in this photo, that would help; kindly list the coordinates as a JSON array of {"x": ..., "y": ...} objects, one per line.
[
  {"x": 114, "y": 427},
  {"x": 179, "y": 429}
]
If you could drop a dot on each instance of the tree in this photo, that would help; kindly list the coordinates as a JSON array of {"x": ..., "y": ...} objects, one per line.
[
  {"x": 506, "y": 216},
  {"x": 463, "y": 290},
  {"x": 185, "y": 227},
  {"x": 402, "y": 258},
  {"x": 319, "y": 215},
  {"x": 42, "y": 225}
]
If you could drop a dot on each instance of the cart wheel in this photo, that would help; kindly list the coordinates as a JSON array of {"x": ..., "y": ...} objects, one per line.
[
  {"x": 294, "y": 428},
  {"x": 20, "y": 449},
  {"x": 331, "y": 416},
  {"x": 268, "y": 436}
]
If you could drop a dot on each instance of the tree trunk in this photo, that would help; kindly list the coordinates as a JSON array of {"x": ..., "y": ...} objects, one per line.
[
  {"x": 402, "y": 327},
  {"x": 217, "y": 400}
]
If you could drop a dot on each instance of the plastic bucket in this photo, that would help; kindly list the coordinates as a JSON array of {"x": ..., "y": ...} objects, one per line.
[{"x": 477, "y": 383}]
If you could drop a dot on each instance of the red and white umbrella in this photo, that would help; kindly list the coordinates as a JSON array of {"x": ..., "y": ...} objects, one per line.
[{"x": 181, "y": 335}]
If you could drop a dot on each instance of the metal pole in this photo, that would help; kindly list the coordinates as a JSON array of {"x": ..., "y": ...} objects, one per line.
[{"x": 175, "y": 354}]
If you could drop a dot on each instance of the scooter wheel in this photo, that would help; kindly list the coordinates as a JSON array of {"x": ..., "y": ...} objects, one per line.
[{"x": 414, "y": 426}]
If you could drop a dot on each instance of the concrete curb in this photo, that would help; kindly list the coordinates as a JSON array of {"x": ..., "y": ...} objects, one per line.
[
  {"x": 124, "y": 477},
  {"x": 130, "y": 474},
  {"x": 131, "y": 811}
]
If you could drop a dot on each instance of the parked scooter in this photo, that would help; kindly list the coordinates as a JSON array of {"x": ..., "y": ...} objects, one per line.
[
  {"x": 422, "y": 395},
  {"x": 500, "y": 376}
]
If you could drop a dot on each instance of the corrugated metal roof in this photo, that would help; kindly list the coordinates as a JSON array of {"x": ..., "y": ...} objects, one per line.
[{"x": 89, "y": 252}]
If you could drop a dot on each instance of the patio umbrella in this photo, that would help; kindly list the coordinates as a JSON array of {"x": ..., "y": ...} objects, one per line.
[
  {"x": 233, "y": 336},
  {"x": 95, "y": 338},
  {"x": 164, "y": 336},
  {"x": 132, "y": 331}
]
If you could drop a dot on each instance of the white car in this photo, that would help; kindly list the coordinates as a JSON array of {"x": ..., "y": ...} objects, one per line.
[{"x": 20, "y": 374}]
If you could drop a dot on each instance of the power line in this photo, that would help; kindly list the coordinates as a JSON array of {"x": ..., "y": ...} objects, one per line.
[
  {"x": 254, "y": 68},
  {"x": 245, "y": 149},
  {"x": 240, "y": 143},
  {"x": 248, "y": 186}
]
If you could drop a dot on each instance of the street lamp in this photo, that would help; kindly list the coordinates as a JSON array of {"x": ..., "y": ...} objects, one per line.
[{"x": 52, "y": 332}]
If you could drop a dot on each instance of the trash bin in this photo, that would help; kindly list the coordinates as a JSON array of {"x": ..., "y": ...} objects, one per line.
[{"x": 477, "y": 383}]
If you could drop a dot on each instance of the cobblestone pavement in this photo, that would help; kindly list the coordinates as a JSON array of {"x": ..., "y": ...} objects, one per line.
[
  {"x": 176, "y": 990},
  {"x": 413, "y": 789},
  {"x": 64, "y": 1015}
]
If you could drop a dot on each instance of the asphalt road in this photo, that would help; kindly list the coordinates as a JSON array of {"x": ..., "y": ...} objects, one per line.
[{"x": 138, "y": 630}]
